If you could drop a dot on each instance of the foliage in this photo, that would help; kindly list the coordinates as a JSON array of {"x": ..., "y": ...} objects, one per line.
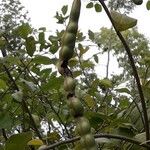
[{"x": 33, "y": 104}]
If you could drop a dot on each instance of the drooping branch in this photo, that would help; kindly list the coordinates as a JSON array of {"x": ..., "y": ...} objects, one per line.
[
  {"x": 109, "y": 136},
  {"x": 134, "y": 69}
]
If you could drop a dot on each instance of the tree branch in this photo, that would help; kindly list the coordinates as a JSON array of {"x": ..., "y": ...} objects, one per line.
[
  {"x": 109, "y": 136},
  {"x": 135, "y": 73},
  {"x": 4, "y": 134},
  {"x": 23, "y": 101}
]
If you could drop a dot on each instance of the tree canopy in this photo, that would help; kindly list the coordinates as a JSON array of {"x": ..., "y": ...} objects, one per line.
[{"x": 36, "y": 111}]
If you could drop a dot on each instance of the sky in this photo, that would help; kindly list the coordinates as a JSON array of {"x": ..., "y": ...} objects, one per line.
[{"x": 42, "y": 14}]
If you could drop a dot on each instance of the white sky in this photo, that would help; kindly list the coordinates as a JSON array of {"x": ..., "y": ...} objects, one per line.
[
  {"x": 42, "y": 14},
  {"x": 43, "y": 11}
]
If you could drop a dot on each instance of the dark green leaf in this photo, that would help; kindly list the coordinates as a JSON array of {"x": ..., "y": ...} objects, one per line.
[
  {"x": 30, "y": 45},
  {"x": 41, "y": 38},
  {"x": 24, "y": 30},
  {"x": 64, "y": 9},
  {"x": 123, "y": 90},
  {"x": 43, "y": 29},
  {"x": 98, "y": 7},
  {"x": 91, "y": 35},
  {"x": 96, "y": 58},
  {"x": 5, "y": 120},
  {"x": 89, "y": 5},
  {"x": 38, "y": 59},
  {"x": 2, "y": 84},
  {"x": 96, "y": 119}
]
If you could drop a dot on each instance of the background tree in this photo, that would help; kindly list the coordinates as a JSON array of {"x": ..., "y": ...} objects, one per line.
[{"x": 33, "y": 104}]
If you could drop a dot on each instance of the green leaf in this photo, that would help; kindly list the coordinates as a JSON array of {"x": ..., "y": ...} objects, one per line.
[
  {"x": 18, "y": 141},
  {"x": 53, "y": 136},
  {"x": 106, "y": 83},
  {"x": 30, "y": 45},
  {"x": 122, "y": 21},
  {"x": 38, "y": 59},
  {"x": 91, "y": 35},
  {"x": 141, "y": 137},
  {"x": 18, "y": 96},
  {"x": 89, "y": 101},
  {"x": 72, "y": 62},
  {"x": 95, "y": 119},
  {"x": 82, "y": 49},
  {"x": 24, "y": 30},
  {"x": 43, "y": 29},
  {"x": 2, "y": 42},
  {"x": 89, "y": 5},
  {"x": 30, "y": 85},
  {"x": 36, "y": 142},
  {"x": 5, "y": 120},
  {"x": 41, "y": 38},
  {"x": 87, "y": 64},
  {"x": 77, "y": 73},
  {"x": 148, "y": 5},
  {"x": 3, "y": 84},
  {"x": 123, "y": 90},
  {"x": 98, "y": 7},
  {"x": 64, "y": 9},
  {"x": 126, "y": 129},
  {"x": 53, "y": 83},
  {"x": 95, "y": 58}
]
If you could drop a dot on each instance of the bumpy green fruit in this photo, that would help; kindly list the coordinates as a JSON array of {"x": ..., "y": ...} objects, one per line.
[
  {"x": 75, "y": 10},
  {"x": 69, "y": 84},
  {"x": 69, "y": 39},
  {"x": 72, "y": 27},
  {"x": 137, "y": 2},
  {"x": 83, "y": 126},
  {"x": 87, "y": 141},
  {"x": 66, "y": 53},
  {"x": 76, "y": 107}
]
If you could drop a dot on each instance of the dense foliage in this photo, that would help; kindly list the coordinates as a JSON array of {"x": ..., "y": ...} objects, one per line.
[{"x": 33, "y": 102}]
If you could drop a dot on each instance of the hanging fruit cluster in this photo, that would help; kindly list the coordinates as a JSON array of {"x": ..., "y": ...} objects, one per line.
[{"x": 83, "y": 127}]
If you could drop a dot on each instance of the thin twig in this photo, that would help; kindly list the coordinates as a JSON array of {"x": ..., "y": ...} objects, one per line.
[{"x": 109, "y": 136}]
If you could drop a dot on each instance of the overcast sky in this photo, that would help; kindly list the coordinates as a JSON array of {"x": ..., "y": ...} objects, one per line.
[{"x": 42, "y": 14}]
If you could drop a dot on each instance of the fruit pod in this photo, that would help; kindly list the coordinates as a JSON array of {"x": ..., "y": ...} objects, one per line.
[
  {"x": 75, "y": 106},
  {"x": 75, "y": 10},
  {"x": 66, "y": 53},
  {"x": 72, "y": 27},
  {"x": 83, "y": 126},
  {"x": 88, "y": 141},
  {"x": 69, "y": 85},
  {"x": 69, "y": 39},
  {"x": 137, "y": 2}
]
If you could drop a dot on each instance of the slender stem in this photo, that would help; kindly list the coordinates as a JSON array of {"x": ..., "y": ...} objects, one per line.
[
  {"x": 135, "y": 73},
  {"x": 109, "y": 136}
]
